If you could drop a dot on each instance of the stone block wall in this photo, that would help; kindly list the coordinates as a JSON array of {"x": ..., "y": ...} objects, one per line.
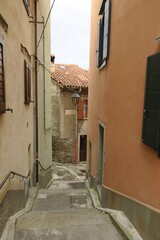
[{"x": 62, "y": 150}]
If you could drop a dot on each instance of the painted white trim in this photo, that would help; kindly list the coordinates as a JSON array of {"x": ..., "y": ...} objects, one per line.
[{"x": 1, "y": 38}]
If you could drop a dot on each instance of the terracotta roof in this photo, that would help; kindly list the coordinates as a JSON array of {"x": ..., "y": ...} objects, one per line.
[{"x": 70, "y": 75}]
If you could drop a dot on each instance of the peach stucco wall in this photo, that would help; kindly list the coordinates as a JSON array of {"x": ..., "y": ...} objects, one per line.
[{"x": 116, "y": 98}]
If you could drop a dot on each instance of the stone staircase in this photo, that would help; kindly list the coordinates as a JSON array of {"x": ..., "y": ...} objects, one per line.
[
  {"x": 64, "y": 211},
  {"x": 67, "y": 209}
]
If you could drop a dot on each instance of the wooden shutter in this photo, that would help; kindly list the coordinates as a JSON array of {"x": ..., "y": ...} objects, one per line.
[
  {"x": 151, "y": 116},
  {"x": 85, "y": 108},
  {"x": 2, "y": 83},
  {"x": 101, "y": 41},
  {"x": 103, "y": 33},
  {"x": 98, "y": 44},
  {"x": 106, "y": 22},
  {"x": 80, "y": 109},
  {"x": 27, "y": 83}
]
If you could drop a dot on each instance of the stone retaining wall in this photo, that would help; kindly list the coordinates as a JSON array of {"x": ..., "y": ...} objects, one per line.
[{"x": 62, "y": 150}]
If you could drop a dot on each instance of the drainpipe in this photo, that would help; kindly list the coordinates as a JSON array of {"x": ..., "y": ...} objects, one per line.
[
  {"x": 36, "y": 90},
  {"x": 44, "y": 76}
]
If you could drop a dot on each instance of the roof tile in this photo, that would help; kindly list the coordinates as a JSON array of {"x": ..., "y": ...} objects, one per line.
[{"x": 70, "y": 75}]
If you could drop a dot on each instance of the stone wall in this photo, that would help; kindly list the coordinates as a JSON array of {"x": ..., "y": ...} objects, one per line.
[
  {"x": 62, "y": 150},
  {"x": 55, "y": 109}
]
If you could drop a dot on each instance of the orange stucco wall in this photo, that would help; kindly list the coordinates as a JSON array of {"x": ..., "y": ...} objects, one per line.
[{"x": 116, "y": 97}]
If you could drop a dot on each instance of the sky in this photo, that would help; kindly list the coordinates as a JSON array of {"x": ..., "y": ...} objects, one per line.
[{"x": 70, "y": 32}]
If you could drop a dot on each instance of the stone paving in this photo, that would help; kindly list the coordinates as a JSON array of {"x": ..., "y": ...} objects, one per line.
[{"x": 64, "y": 211}]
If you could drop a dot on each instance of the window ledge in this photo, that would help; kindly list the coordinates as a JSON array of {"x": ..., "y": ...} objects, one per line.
[
  {"x": 3, "y": 23},
  {"x": 102, "y": 65}
]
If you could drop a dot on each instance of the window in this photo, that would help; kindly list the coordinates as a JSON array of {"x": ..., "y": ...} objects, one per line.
[
  {"x": 27, "y": 83},
  {"x": 151, "y": 115},
  {"x": 103, "y": 34},
  {"x": 85, "y": 108},
  {"x": 101, "y": 154},
  {"x": 82, "y": 109},
  {"x": 2, "y": 83},
  {"x": 27, "y": 6}
]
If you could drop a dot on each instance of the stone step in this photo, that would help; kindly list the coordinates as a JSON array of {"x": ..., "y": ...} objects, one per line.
[{"x": 87, "y": 224}]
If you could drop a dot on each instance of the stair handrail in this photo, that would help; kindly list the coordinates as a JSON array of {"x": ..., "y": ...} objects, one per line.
[
  {"x": 45, "y": 169},
  {"x": 20, "y": 175},
  {"x": 13, "y": 174}
]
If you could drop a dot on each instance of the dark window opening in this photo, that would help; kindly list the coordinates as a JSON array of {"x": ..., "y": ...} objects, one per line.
[
  {"x": 83, "y": 148},
  {"x": 27, "y": 83},
  {"x": 100, "y": 160},
  {"x": 2, "y": 83}
]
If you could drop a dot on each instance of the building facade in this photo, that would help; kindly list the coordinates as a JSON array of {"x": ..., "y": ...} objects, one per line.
[
  {"x": 17, "y": 92},
  {"x": 123, "y": 121},
  {"x": 44, "y": 84},
  {"x": 66, "y": 80}
]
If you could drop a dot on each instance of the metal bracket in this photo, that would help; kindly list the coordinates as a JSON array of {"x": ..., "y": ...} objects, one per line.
[
  {"x": 9, "y": 110},
  {"x": 36, "y": 22}
]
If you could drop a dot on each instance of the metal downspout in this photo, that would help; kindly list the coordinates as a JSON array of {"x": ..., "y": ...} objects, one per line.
[
  {"x": 44, "y": 76},
  {"x": 36, "y": 90}
]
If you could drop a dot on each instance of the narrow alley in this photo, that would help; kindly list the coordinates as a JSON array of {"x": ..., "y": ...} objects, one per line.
[
  {"x": 79, "y": 120},
  {"x": 63, "y": 210}
]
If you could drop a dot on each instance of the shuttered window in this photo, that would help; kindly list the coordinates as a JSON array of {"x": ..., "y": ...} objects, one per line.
[
  {"x": 2, "y": 83},
  {"x": 82, "y": 109},
  {"x": 106, "y": 29},
  {"x": 85, "y": 108},
  {"x": 103, "y": 34},
  {"x": 27, "y": 6},
  {"x": 100, "y": 44},
  {"x": 27, "y": 83},
  {"x": 151, "y": 115}
]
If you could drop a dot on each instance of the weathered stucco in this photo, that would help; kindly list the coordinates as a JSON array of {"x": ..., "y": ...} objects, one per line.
[
  {"x": 16, "y": 134},
  {"x": 17, "y": 138}
]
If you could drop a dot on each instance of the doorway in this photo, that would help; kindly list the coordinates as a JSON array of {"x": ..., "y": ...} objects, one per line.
[
  {"x": 89, "y": 158},
  {"x": 83, "y": 148},
  {"x": 100, "y": 161}
]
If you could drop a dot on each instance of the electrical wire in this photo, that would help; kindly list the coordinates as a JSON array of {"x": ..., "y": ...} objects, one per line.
[{"x": 46, "y": 22}]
